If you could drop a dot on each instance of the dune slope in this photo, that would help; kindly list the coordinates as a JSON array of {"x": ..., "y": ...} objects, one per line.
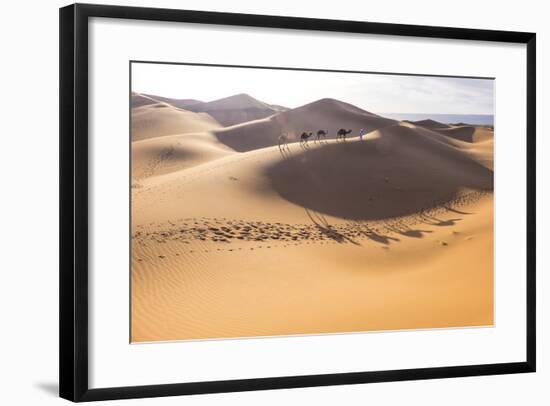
[
  {"x": 138, "y": 100},
  {"x": 468, "y": 133},
  {"x": 326, "y": 114},
  {"x": 170, "y": 153},
  {"x": 397, "y": 171},
  {"x": 235, "y": 109},
  {"x": 158, "y": 119},
  {"x": 179, "y": 103}
]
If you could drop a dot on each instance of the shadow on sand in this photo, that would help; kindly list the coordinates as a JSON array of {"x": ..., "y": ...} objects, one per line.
[
  {"x": 326, "y": 229},
  {"x": 363, "y": 181}
]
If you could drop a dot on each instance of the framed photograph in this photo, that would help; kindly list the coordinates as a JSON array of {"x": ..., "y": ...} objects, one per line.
[{"x": 257, "y": 202}]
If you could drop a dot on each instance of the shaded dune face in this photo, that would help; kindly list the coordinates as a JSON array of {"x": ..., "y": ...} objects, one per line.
[
  {"x": 140, "y": 100},
  {"x": 399, "y": 172},
  {"x": 463, "y": 132},
  {"x": 468, "y": 133},
  {"x": 431, "y": 124},
  {"x": 179, "y": 103},
  {"x": 235, "y": 109},
  {"x": 249, "y": 136},
  {"x": 228, "y": 117},
  {"x": 331, "y": 115},
  {"x": 327, "y": 114}
]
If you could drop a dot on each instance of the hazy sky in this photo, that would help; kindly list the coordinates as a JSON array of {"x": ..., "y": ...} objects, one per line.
[{"x": 372, "y": 92}]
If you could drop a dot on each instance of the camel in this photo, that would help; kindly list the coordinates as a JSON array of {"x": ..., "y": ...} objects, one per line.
[
  {"x": 341, "y": 134},
  {"x": 304, "y": 137},
  {"x": 283, "y": 141},
  {"x": 321, "y": 133}
]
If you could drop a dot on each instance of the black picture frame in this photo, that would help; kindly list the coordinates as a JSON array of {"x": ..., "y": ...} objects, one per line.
[{"x": 73, "y": 277}]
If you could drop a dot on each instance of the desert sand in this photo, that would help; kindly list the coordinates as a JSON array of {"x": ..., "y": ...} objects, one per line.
[
  {"x": 156, "y": 119},
  {"x": 234, "y": 235}
]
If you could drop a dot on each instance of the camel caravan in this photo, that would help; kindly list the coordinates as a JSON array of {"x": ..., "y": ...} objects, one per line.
[{"x": 319, "y": 136}]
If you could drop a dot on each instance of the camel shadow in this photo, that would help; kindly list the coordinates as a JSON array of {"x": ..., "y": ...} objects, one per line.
[
  {"x": 354, "y": 171},
  {"x": 371, "y": 234},
  {"x": 407, "y": 231},
  {"x": 434, "y": 221},
  {"x": 326, "y": 229},
  {"x": 448, "y": 208},
  {"x": 304, "y": 145},
  {"x": 379, "y": 238},
  {"x": 284, "y": 150}
]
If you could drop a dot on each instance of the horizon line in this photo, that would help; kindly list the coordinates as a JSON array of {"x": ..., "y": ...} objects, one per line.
[{"x": 291, "y": 108}]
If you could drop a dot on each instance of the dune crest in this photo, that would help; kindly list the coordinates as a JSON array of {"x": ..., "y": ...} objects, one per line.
[
  {"x": 461, "y": 132},
  {"x": 158, "y": 119},
  {"x": 235, "y": 109},
  {"x": 179, "y": 103},
  {"x": 326, "y": 114}
]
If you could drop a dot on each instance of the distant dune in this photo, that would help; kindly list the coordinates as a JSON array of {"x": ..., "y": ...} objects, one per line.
[
  {"x": 451, "y": 119},
  {"x": 138, "y": 100},
  {"x": 158, "y": 119},
  {"x": 468, "y": 133},
  {"x": 462, "y": 132},
  {"x": 235, "y": 109},
  {"x": 325, "y": 114},
  {"x": 428, "y": 123},
  {"x": 278, "y": 107},
  {"x": 180, "y": 103}
]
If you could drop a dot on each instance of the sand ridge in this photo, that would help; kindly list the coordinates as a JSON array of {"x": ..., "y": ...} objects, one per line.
[{"x": 158, "y": 119}]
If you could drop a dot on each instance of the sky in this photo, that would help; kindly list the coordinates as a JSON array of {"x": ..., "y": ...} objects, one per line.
[{"x": 372, "y": 92}]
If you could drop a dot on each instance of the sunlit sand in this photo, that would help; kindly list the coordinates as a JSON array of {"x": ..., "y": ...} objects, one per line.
[{"x": 235, "y": 234}]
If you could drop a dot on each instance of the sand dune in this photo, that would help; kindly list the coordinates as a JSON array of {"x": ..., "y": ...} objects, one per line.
[
  {"x": 430, "y": 124},
  {"x": 398, "y": 171},
  {"x": 480, "y": 149},
  {"x": 139, "y": 100},
  {"x": 468, "y": 133},
  {"x": 326, "y": 114},
  {"x": 179, "y": 103},
  {"x": 278, "y": 107},
  {"x": 462, "y": 132},
  {"x": 158, "y": 119},
  {"x": 170, "y": 153},
  {"x": 482, "y": 152},
  {"x": 421, "y": 276},
  {"x": 394, "y": 231},
  {"x": 235, "y": 109}
]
